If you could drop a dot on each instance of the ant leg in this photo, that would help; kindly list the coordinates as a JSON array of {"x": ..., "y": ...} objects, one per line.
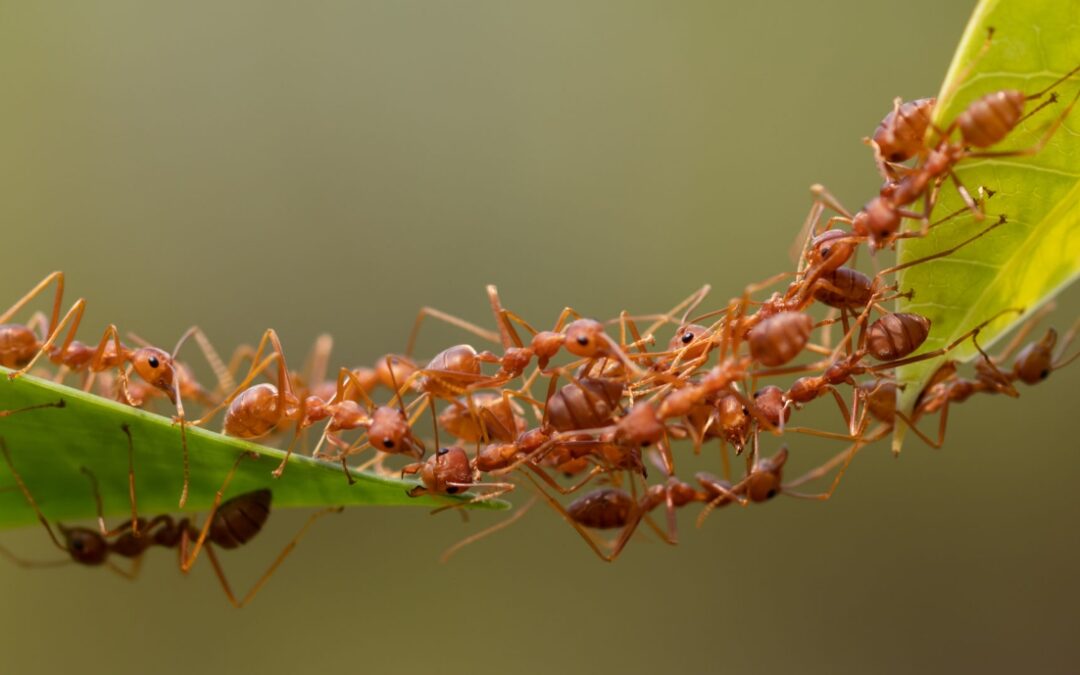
[
  {"x": 133, "y": 525},
  {"x": 726, "y": 496},
  {"x": 131, "y": 574},
  {"x": 1020, "y": 338},
  {"x": 942, "y": 422},
  {"x": 877, "y": 434},
  {"x": 450, "y": 319},
  {"x": 318, "y": 361},
  {"x": 1055, "y": 83},
  {"x": 276, "y": 473},
  {"x": 256, "y": 369},
  {"x": 686, "y": 306},
  {"x": 553, "y": 503},
  {"x": 507, "y": 333},
  {"x": 15, "y": 411},
  {"x": 1034, "y": 149},
  {"x": 1060, "y": 361},
  {"x": 74, "y": 315},
  {"x": 497, "y": 489},
  {"x": 30, "y": 564},
  {"x": 969, "y": 201},
  {"x": 261, "y": 581},
  {"x": 947, "y": 348},
  {"x": 797, "y": 250},
  {"x": 502, "y": 524},
  {"x": 543, "y": 475},
  {"x": 224, "y": 376},
  {"x": 29, "y": 497},
  {"x": 187, "y": 560},
  {"x": 58, "y": 299},
  {"x": 822, "y": 194},
  {"x": 947, "y": 252},
  {"x": 823, "y": 496},
  {"x": 961, "y": 77}
]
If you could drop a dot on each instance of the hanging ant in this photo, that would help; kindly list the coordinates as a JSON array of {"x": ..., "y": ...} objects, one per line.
[{"x": 227, "y": 525}]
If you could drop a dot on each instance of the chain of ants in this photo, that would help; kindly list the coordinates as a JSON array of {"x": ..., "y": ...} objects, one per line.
[{"x": 612, "y": 406}]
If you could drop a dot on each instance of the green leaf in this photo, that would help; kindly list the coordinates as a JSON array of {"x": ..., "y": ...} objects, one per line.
[
  {"x": 49, "y": 446},
  {"x": 1026, "y": 262}
]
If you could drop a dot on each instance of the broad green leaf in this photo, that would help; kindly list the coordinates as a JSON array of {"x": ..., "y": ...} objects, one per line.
[
  {"x": 49, "y": 447},
  {"x": 1037, "y": 253}
]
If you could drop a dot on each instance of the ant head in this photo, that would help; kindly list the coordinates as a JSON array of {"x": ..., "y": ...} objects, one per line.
[
  {"x": 734, "y": 418},
  {"x": 85, "y": 546},
  {"x": 831, "y": 249},
  {"x": 155, "y": 366},
  {"x": 899, "y": 137},
  {"x": 1035, "y": 362},
  {"x": 389, "y": 431},
  {"x": 640, "y": 427},
  {"x": 878, "y": 220},
  {"x": 585, "y": 337},
  {"x": 447, "y": 465},
  {"x": 691, "y": 337},
  {"x": 763, "y": 483}
]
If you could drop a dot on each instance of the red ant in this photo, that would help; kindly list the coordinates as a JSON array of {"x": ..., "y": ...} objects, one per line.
[
  {"x": 228, "y": 525},
  {"x": 1032, "y": 365}
]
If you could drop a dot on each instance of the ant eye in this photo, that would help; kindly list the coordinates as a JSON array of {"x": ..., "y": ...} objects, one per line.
[
  {"x": 442, "y": 451},
  {"x": 825, "y": 252},
  {"x": 451, "y": 489},
  {"x": 583, "y": 340},
  {"x": 153, "y": 361},
  {"x": 388, "y": 442},
  {"x": 687, "y": 338},
  {"x": 745, "y": 410}
]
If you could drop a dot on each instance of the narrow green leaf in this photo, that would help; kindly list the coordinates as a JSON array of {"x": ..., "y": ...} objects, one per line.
[
  {"x": 1037, "y": 253},
  {"x": 49, "y": 447}
]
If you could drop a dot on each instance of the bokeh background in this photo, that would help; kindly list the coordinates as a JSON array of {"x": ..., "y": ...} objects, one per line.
[{"x": 333, "y": 166}]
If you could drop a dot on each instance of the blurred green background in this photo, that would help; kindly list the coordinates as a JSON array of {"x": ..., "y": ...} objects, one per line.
[{"x": 333, "y": 166}]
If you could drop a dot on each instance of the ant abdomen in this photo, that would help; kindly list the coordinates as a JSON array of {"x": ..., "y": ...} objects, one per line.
[
  {"x": 588, "y": 405},
  {"x": 880, "y": 399},
  {"x": 989, "y": 119},
  {"x": 603, "y": 509},
  {"x": 900, "y": 135},
  {"x": 238, "y": 520},
  {"x": 18, "y": 345},
  {"x": 640, "y": 427},
  {"x": 254, "y": 412},
  {"x": 896, "y": 335},
  {"x": 843, "y": 288},
  {"x": 780, "y": 338},
  {"x": 446, "y": 472}
]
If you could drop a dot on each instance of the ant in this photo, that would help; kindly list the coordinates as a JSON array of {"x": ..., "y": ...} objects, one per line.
[
  {"x": 227, "y": 525},
  {"x": 1032, "y": 365}
]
